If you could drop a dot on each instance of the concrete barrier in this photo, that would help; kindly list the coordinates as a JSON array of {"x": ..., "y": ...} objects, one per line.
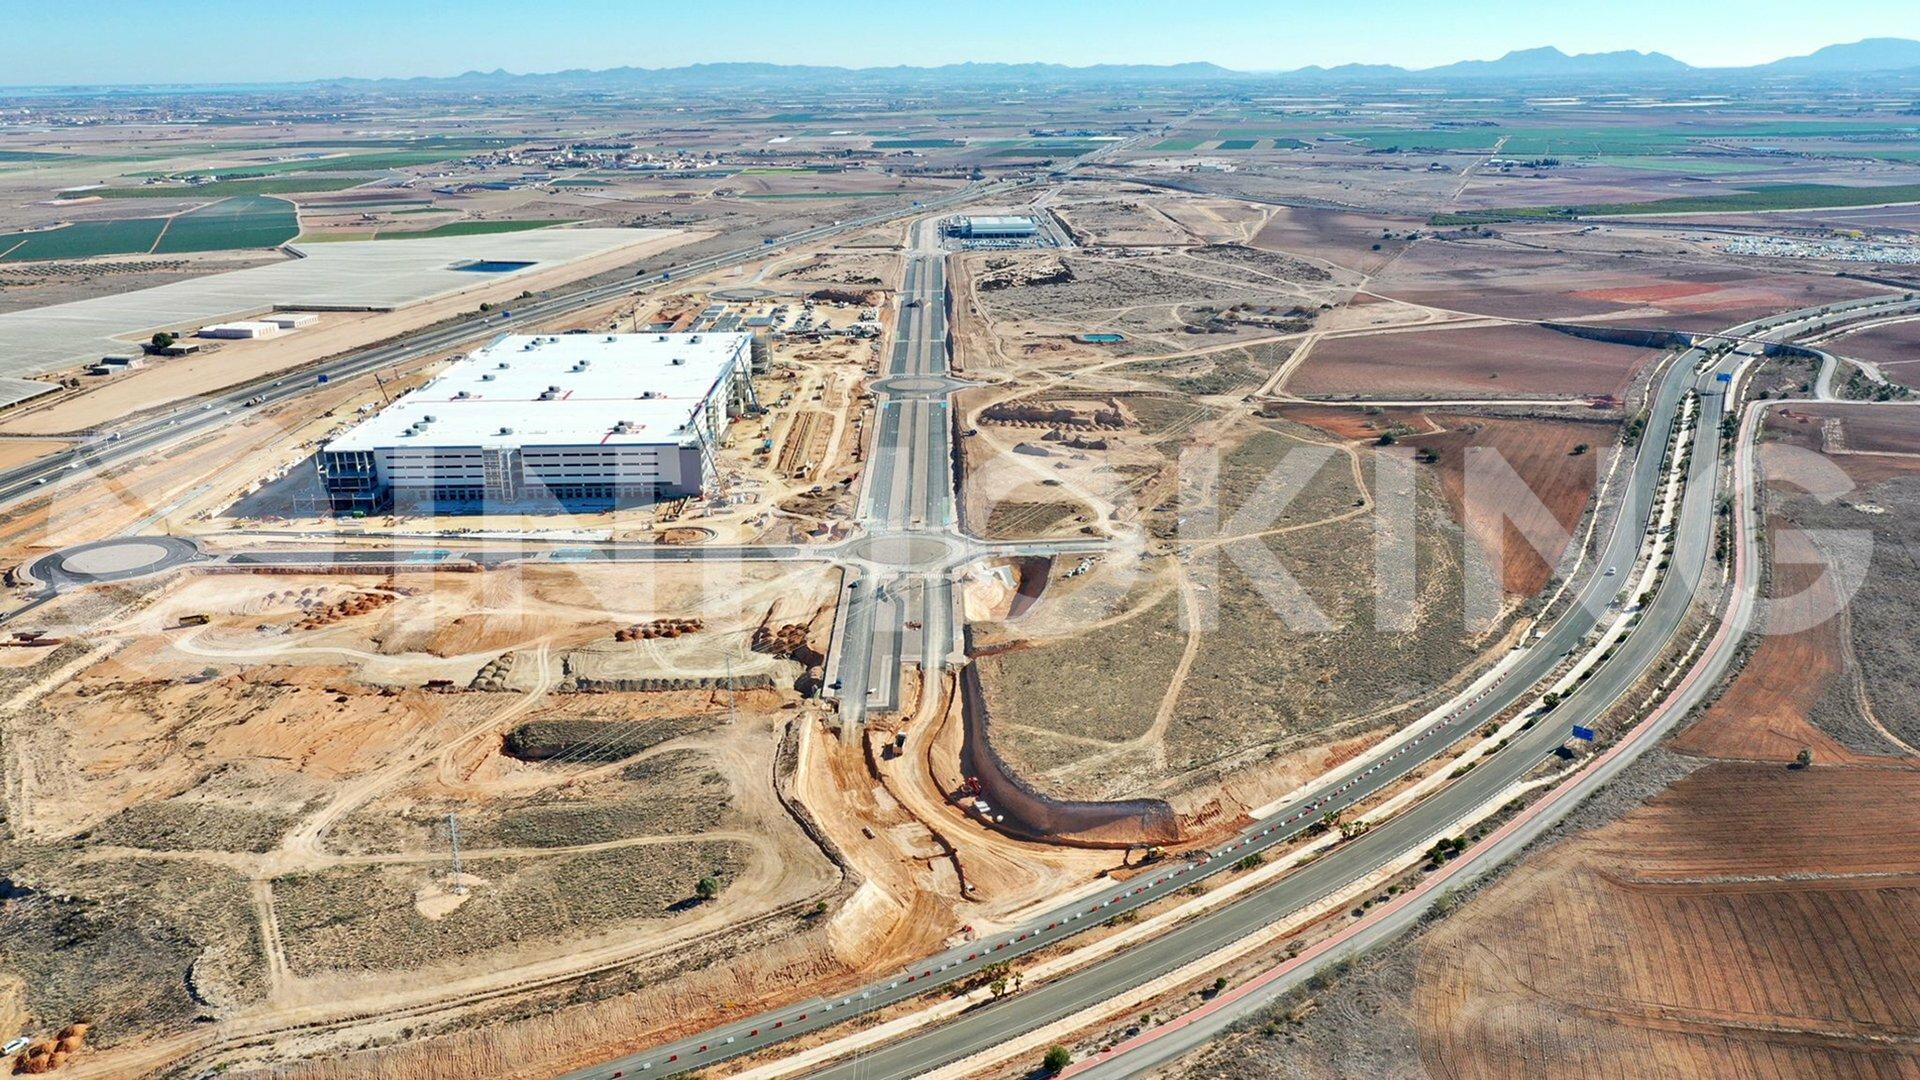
[{"x": 1117, "y": 824}]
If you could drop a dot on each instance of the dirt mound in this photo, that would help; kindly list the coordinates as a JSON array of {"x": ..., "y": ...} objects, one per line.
[
  {"x": 1009, "y": 274},
  {"x": 596, "y": 740},
  {"x": 1079, "y": 415},
  {"x": 475, "y": 633}
]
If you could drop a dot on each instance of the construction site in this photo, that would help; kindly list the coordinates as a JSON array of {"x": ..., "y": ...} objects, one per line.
[{"x": 804, "y": 565}]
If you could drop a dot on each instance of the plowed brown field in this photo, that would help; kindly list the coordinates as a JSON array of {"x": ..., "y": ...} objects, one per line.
[
  {"x": 1895, "y": 347},
  {"x": 1476, "y": 362},
  {"x": 1763, "y": 717},
  {"x": 1541, "y": 453},
  {"x": 1730, "y": 928},
  {"x": 1751, "y": 920}
]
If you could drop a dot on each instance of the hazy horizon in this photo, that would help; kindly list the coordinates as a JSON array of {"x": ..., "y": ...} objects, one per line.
[{"x": 225, "y": 41}]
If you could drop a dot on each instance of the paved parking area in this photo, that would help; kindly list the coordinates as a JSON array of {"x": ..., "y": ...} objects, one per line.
[{"x": 378, "y": 275}]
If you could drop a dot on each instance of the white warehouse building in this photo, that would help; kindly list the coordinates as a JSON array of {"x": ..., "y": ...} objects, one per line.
[
  {"x": 995, "y": 227},
  {"x": 579, "y": 418}
]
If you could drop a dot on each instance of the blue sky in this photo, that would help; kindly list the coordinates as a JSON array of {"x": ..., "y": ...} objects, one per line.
[{"x": 251, "y": 40}]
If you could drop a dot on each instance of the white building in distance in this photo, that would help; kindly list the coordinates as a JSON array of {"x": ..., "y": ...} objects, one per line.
[
  {"x": 990, "y": 227},
  {"x": 594, "y": 419}
]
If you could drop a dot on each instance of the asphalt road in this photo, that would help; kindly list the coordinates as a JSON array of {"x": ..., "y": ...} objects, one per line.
[
  {"x": 906, "y": 503},
  {"x": 206, "y": 413},
  {"x": 992, "y": 1025},
  {"x": 1166, "y": 1045}
]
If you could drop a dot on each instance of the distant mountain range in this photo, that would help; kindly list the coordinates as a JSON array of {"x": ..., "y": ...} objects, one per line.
[
  {"x": 1872, "y": 57},
  {"x": 1873, "y": 54}
]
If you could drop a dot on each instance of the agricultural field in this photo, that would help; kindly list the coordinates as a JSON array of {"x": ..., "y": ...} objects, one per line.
[
  {"x": 1470, "y": 362},
  {"x": 1894, "y": 348},
  {"x": 243, "y": 221},
  {"x": 82, "y": 240},
  {"x": 1600, "y": 274},
  {"x": 461, "y": 228},
  {"x": 237, "y": 222},
  {"x": 220, "y": 188},
  {"x": 1558, "y": 459},
  {"x": 1656, "y": 943},
  {"x": 1759, "y": 197},
  {"x": 1719, "y": 909}
]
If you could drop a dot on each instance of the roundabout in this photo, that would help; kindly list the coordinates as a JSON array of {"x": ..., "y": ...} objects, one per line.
[
  {"x": 906, "y": 551},
  {"x": 120, "y": 559},
  {"x": 937, "y": 385}
]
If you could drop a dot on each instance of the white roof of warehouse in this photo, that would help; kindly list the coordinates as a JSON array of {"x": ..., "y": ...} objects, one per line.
[{"x": 566, "y": 389}]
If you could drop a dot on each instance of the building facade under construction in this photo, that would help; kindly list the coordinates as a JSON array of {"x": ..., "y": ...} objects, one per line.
[{"x": 578, "y": 419}]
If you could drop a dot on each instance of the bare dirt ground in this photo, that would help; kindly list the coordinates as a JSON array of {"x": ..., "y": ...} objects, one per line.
[
  {"x": 1072, "y": 439},
  {"x": 1471, "y": 362},
  {"x": 1567, "y": 272},
  {"x": 1894, "y": 347},
  {"x": 299, "y": 759},
  {"x": 45, "y": 283},
  {"x": 1557, "y": 459},
  {"x": 1723, "y": 929}
]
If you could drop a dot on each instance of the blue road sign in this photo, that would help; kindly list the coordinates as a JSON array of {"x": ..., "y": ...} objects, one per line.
[{"x": 1583, "y": 732}]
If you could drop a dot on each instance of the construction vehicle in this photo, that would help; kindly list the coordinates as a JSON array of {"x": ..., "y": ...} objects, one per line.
[{"x": 195, "y": 619}]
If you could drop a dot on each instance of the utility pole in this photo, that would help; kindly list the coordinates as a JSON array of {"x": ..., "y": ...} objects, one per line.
[{"x": 453, "y": 837}]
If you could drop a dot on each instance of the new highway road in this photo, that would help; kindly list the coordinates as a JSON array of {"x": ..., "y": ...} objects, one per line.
[
  {"x": 901, "y": 604},
  {"x": 1650, "y": 639}
]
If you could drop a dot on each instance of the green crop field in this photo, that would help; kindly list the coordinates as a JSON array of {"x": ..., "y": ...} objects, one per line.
[
  {"x": 1692, "y": 166},
  {"x": 277, "y": 185},
  {"x": 1178, "y": 144},
  {"x": 452, "y": 145},
  {"x": 242, "y": 222},
  {"x": 82, "y": 239},
  {"x": 1238, "y": 144},
  {"x": 1288, "y": 144},
  {"x": 245, "y": 221},
  {"x": 1757, "y": 198},
  {"x": 1416, "y": 139},
  {"x": 30, "y": 155},
  {"x": 1818, "y": 129},
  {"x": 1261, "y": 131},
  {"x": 914, "y": 144},
  {"x": 373, "y": 162},
  {"x": 1045, "y": 150},
  {"x": 467, "y": 228},
  {"x": 1576, "y": 142}
]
